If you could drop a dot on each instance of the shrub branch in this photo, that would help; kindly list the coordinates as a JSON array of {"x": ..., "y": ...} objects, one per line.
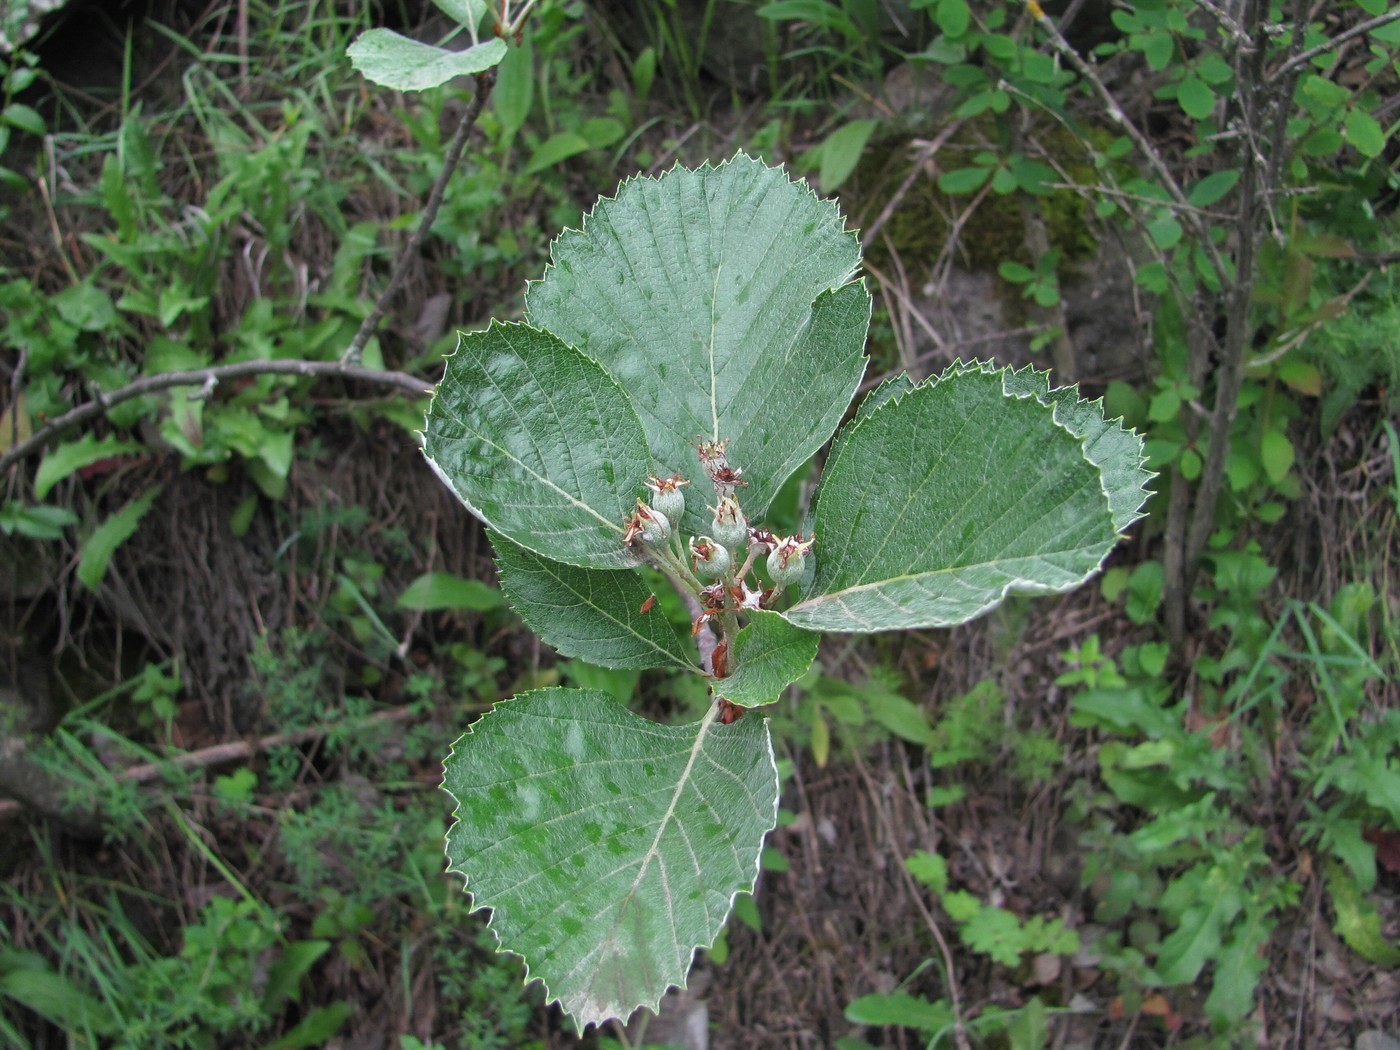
[
  {"x": 206, "y": 379},
  {"x": 484, "y": 83}
]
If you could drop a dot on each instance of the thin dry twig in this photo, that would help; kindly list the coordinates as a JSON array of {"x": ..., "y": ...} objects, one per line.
[
  {"x": 484, "y": 83},
  {"x": 206, "y": 379},
  {"x": 229, "y": 753},
  {"x": 1341, "y": 38}
]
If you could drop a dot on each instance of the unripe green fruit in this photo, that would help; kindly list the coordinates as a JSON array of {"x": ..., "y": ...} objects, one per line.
[
  {"x": 789, "y": 561},
  {"x": 730, "y": 529},
  {"x": 656, "y": 527},
  {"x": 667, "y": 497},
  {"x": 712, "y": 559}
]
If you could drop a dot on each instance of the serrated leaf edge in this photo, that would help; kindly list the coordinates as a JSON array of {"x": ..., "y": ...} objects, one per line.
[
  {"x": 1096, "y": 404},
  {"x": 580, "y": 1023},
  {"x": 852, "y": 276},
  {"x": 1015, "y": 585},
  {"x": 642, "y": 178}
]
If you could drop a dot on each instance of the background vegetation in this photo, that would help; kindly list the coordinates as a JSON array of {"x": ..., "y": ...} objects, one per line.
[{"x": 240, "y": 622}]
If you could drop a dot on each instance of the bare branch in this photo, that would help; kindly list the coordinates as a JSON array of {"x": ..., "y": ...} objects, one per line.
[
  {"x": 484, "y": 83},
  {"x": 205, "y": 758},
  {"x": 1336, "y": 41},
  {"x": 206, "y": 379}
]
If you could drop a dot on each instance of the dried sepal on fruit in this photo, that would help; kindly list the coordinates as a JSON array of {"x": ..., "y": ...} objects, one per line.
[
  {"x": 666, "y": 495},
  {"x": 730, "y": 528},
  {"x": 788, "y": 560},
  {"x": 712, "y": 560},
  {"x": 646, "y": 526}
]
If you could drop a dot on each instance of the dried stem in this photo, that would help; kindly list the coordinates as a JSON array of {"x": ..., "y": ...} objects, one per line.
[
  {"x": 40, "y": 791},
  {"x": 206, "y": 379},
  {"x": 484, "y": 83}
]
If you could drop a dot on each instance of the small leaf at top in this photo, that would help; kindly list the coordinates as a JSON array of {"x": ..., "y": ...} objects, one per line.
[
  {"x": 539, "y": 443},
  {"x": 723, "y": 300},
  {"x": 1212, "y": 188},
  {"x": 395, "y": 61},
  {"x": 589, "y": 613},
  {"x": 941, "y": 502},
  {"x": 769, "y": 654},
  {"x": 468, "y": 13},
  {"x": 608, "y": 848}
]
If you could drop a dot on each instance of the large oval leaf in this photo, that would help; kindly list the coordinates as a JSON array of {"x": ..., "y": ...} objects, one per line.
[
  {"x": 539, "y": 443},
  {"x": 608, "y": 848},
  {"x": 723, "y": 301},
  {"x": 589, "y": 613},
  {"x": 940, "y": 502}
]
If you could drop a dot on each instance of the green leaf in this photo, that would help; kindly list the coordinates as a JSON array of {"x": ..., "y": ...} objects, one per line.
[
  {"x": 953, "y": 17},
  {"x": 768, "y": 655},
  {"x": 395, "y": 61},
  {"x": 601, "y": 132},
  {"x": 841, "y": 152},
  {"x": 929, "y": 868},
  {"x": 1197, "y": 938},
  {"x": 442, "y": 590},
  {"x": 315, "y": 1029},
  {"x": 1196, "y": 99},
  {"x": 588, "y": 613},
  {"x": 111, "y": 534},
  {"x": 1165, "y": 231},
  {"x": 900, "y": 1008},
  {"x": 514, "y": 93},
  {"x": 539, "y": 443},
  {"x": 1158, "y": 47},
  {"x": 1110, "y": 446},
  {"x": 23, "y": 117},
  {"x": 72, "y": 456},
  {"x": 558, "y": 147},
  {"x": 35, "y": 522},
  {"x": 1015, "y": 273},
  {"x": 1358, "y": 921},
  {"x": 723, "y": 301},
  {"x": 57, "y": 998},
  {"x": 86, "y": 306},
  {"x": 1238, "y": 968},
  {"x": 939, "y": 504},
  {"x": 284, "y": 976},
  {"x": 996, "y": 933},
  {"x": 1276, "y": 453},
  {"x": 902, "y": 717},
  {"x": 896, "y": 386},
  {"x": 608, "y": 848},
  {"x": 644, "y": 73},
  {"x": 1212, "y": 188},
  {"x": 1029, "y": 1029},
  {"x": 1364, "y": 133},
  {"x": 963, "y": 180},
  {"x": 465, "y": 12}
]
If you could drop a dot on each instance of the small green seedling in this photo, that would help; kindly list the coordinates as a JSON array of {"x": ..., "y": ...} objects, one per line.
[{"x": 686, "y": 351}]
